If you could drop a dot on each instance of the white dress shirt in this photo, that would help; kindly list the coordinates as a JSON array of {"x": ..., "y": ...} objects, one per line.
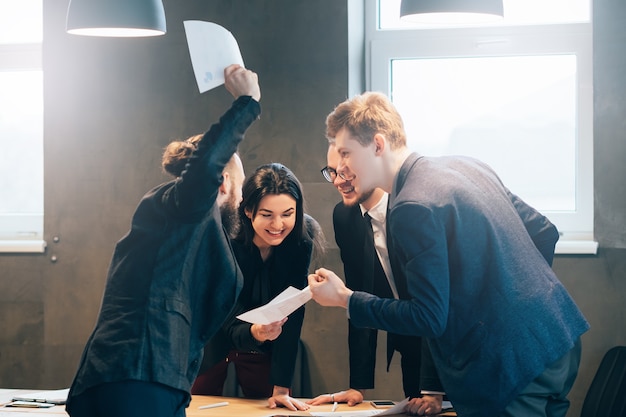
[{"x": 378, "y": 213}]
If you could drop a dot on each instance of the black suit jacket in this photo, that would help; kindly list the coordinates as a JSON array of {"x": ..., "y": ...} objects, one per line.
[
  {"x": 288, "y": 266},
  {"x": 363, "y": 272}
]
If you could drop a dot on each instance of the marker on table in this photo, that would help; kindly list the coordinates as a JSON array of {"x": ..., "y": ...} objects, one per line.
[
  {"x": 214, "y": 405},
  {"x": 335, "y": 405}
]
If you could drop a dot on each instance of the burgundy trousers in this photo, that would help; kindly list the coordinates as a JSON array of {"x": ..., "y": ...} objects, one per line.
[{"x": 252, "y": 370}]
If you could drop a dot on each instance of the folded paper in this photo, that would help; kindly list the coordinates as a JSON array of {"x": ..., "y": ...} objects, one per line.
[
  {"x": 280, "y": 307},
  {"x": 212, "y": 48}
]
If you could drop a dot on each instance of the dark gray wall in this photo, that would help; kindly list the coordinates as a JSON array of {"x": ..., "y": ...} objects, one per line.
[{"x": 111, "y": 106}]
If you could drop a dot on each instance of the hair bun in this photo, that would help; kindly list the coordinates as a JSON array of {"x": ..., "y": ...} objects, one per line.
[{"x": 177, "y": 154}]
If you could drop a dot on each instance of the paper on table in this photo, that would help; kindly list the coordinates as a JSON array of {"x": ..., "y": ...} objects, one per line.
[
  {"x": 48, "y": 396},
  {"x": 341, "y": 413},
  {"x": 212, "y": 48},
  {"x": 29, "y": 404},
  {"x": 280, "y": 307},
  {"x": 6, "y": 395},
  {"x": 396, "y": 409}
]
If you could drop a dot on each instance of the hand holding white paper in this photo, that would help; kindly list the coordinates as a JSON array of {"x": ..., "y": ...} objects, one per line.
[
  {"x": 212, "y": 48},
  {"x": 280, "y": 307}
]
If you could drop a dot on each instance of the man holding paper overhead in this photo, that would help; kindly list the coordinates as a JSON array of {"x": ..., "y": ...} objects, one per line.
[{"x": 173, "y": 278}]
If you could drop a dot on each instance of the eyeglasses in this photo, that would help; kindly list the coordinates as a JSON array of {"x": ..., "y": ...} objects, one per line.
[{"x": 330, "y": 174}]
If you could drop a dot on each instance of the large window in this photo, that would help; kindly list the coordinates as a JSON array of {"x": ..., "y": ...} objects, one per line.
[
  {"x": 21, "y": 126},
  {"x": 516, "y": 93}
]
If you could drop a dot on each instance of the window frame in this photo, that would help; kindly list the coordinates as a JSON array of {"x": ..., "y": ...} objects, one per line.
[
  {"x": 384, "y": 46},
  {"x": 22, "y": 232}
]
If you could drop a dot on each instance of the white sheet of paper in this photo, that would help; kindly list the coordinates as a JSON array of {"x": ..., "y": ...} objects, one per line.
[
  {"x": 341, "y": 413},
  {"x": 212, "y": 48},
  {"x": 280, "y": 307},
  {"x": 50, "y": 396},
  {"x": 396, "y": 409},
  {"x": 6, "y": 395}
]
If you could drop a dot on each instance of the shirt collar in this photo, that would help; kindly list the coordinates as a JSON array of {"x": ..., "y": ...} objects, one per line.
[{"x": 379, "y": 211}]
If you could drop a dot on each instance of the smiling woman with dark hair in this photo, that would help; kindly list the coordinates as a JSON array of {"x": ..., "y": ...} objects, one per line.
[{"x": 274, "y": 246}]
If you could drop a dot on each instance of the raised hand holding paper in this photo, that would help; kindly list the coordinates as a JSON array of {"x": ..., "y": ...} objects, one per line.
[{"x": 212, "y": 48}]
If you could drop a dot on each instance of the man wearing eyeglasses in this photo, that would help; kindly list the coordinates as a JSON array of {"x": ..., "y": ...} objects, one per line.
[{"x": 366, "y": 266}]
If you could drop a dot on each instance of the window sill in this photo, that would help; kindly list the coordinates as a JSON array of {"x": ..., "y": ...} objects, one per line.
[
  {"x": 22, "y": 246},
  {"x": 576, "y": 247}
]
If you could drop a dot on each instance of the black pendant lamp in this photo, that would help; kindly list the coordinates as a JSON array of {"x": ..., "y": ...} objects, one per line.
[
  {"x": 118, "y": 18},
  {"x": 451, "y": 11}
]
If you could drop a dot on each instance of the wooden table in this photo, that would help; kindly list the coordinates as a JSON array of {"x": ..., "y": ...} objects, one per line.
[
  {"x": 237, "y": 407},
  {"x": 240, "y": 407}
]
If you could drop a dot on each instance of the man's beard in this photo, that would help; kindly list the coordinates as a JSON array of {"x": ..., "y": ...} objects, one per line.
[
  {"x": 230, "y": 217},
  {"x": 363, "y": 197}
]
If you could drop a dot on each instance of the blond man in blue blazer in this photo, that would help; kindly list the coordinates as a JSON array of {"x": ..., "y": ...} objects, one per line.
[{"x": 476, "y": 262}]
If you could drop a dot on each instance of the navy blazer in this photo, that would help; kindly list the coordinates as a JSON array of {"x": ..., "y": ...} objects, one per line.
[
  {"x": 474, "y": 260},
  {"x": 173, "y": 278},
  {"x": 365, "y": 273}
]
